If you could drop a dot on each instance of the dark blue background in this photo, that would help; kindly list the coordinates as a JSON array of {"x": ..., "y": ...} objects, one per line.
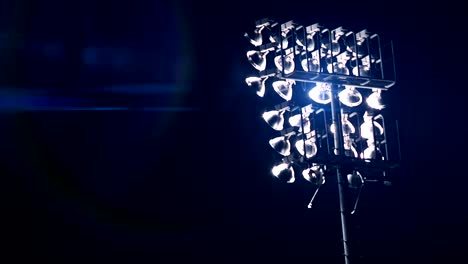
[{"x": 146, "y": 186}]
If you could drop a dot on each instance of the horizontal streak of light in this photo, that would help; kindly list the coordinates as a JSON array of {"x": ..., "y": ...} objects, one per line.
[{"x": 154, "y": 109}]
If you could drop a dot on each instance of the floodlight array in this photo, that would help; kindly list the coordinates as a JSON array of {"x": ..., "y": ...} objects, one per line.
[{"x": 297, "y": 68}]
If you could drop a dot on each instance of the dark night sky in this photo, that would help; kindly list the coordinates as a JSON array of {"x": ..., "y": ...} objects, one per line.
[{"x": 146, "y": 186}]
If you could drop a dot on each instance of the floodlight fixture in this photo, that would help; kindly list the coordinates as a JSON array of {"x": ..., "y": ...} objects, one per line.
[
  {"x": 375, "y": 100},
  {"x": 321, "y": 93},
  {"x": 284, "y": 89},
  {"x": 350, "y": 96},
  {"x": 275, "y": 118},
  {"x": 258, "y": 83},
  {"x": 284, "y": 171},
  {"x": 281, "y": 144},
  {"x": 257, "y": 59},
  {"x": 322, "y": 75}
]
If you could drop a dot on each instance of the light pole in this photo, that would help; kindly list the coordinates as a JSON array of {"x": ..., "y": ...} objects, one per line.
[{"x": 315, "y": 80}]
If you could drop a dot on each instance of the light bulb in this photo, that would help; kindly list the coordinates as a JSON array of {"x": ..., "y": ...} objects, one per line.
[
  {"x": 349, "y": 149},
  {"x": 295, "y": 121},
  {"x": 257, "y": 59},
  {"x": 338, "y": 68},
  {"x": 310, "y": 42},
  {"x": 281, "y": 145},
  {"x": 372, "y": 152},
  {"x": 375, "y": 100},
  {"x": 314, "y": 174},
  {"x": 310, "y": 65},
  {"x": 350, "y": 96},
  {"x": 310, "y": 148},
  {"x": 321, "y": 93},
  {"x": 283, "y": 89},
  {"x": 275, "y": 119},
  {"x": 257, "y": 82},
  {"x": 256, "y": 39},
  {"x": 289, "y": 64},
  {"x": 362, "y": 70},
  {"x": 284, "y": 172},
  {"x": 368, "y": 126},
  {"x": 355, "y": 180}
]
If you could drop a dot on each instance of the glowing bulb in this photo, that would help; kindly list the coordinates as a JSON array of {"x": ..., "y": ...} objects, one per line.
[
  {"x": 277, "y": 39},
  {"x": 256, "y": 40},
  {"x": 349, "y": 149},
  {"x": 310, "y": 148},
  {"x": 314, "y": 174},
  {"x": 275, "y": 119},
  {"x": 375, "y": 100},
  {"x": 362, "y": 70},
  {"x": 338, "y": 68},
  {"x": 281, "y": 145},
  {"x": 332, "y": 49},
  {"x": 257, "y": 59},
  {"x": 312, "y": 63},
  {"x": 321, "y": 93},
  {"x": 367, "y": 128},
  {"x": 284, "y": 172},
  {"x": 283, "y": 89},
  {"x": 309, "y": 40},
  {"x": 257, "y": 82},
  {"x": 335, "y": 48},
  {"x": 350, "y": 96},
  {"x": 371, "y": 152},
  {"x": 278, "y": 168},
  {"x": 347, "y": 126},
  {"x": 289, "y": 64},
  {"x": 355, "y": 180},
  {"x": 295, "y": 121}
]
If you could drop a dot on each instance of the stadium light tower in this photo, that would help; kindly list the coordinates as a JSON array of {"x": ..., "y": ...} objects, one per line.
[{"x": 324, "y": 89}]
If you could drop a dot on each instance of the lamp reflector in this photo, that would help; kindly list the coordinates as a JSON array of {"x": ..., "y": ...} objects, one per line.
[
  {"x": 283, "y": 89},
  {"x": 310, "y": 65},
  {"x": 347, "y": 127},
  {"x": 258, "y": 83},
  {"x": 295, "y": 121},
  {"x": 372, "y": 151},
  {"x": 310, "y": 148},
  {"x": 361, "y": 70},
  {"x": 314, "y": 174},
  {"x": 275, "y": 119},
  {"x": 375, "y": 100},
  {"x": 355, "y": 180},
  {"x": 284, "y": 172},
  {"x": 350, "y": 96},
  {"x": 321, "y": 93},
  {"x": 256, "y": 38},
  {"x": 257, "y": 59},
  {"x": 281, "y": 145},
  {"x": 364, "y": 68},
  {"x": 338, "y": 68},
  {"x": 349, "y": 149},
  {"x": 289, "y": 64},
  {"x": 368, "y": 126},
  {"x": 309, "y": 42}
]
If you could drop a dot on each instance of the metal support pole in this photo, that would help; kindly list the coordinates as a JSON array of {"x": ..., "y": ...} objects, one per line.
[{"x": 339, "y": 150}]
